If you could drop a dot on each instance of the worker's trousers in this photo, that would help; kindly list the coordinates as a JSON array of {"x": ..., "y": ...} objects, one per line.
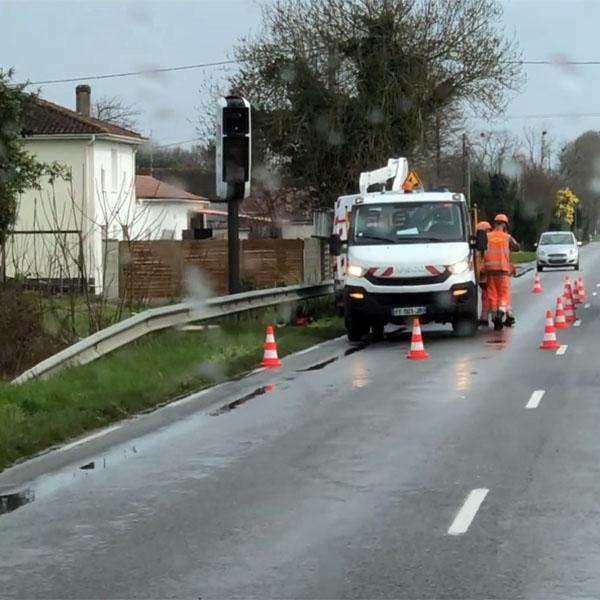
[{"x": 498, "y": 292}]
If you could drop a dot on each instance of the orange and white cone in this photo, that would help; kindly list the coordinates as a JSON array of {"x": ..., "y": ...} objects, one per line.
[
  {"x": 550, "y": 342},
  {"x": 570, "y": 315},
  {"x": 270, "y": 358},
  {"x": 581, "y": 288},
  {"x": 567, "y": 279},
  {"x": 537, "y": 284},
  {"x": 560, "y": 321},
  {"x": 576, "y": 299},
  {"x": 417, "y": 350}
]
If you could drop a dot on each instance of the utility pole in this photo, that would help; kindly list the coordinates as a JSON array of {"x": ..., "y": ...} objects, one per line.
[
  {"x": 543, "y": 148},
  {"x": 466, "y": 167},
  {"x": 438, "y": 148}
]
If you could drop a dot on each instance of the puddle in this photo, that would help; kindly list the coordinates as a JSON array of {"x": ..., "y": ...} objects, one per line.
[
  {"x": 354, "y": 349},
  {"x": 318, "y": 366},
  {"x": 233, "y": 405},
  {"x": 10, "y": 502}
]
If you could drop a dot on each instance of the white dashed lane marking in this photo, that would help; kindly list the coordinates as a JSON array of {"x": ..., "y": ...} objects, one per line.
[
  {"x": 562, "y": 350},
  {"x": 467, "y": 512},
  {"x": 535, "y": 399}
]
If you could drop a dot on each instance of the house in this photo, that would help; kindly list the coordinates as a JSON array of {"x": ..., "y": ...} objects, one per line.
[
  {"x": 60, "y": 230},
  {"x": 168, "y": 211}
]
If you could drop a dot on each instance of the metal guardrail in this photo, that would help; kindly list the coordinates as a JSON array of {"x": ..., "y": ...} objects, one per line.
[{"x": 120, "y": 334}]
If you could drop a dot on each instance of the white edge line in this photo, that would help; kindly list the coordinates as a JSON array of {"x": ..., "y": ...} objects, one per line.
[
  {"x": 586, "y": 305},
  {"x": 577, "y": 323},
  {"x": 562, "y": 350},
  {"x": 535, "y": 399},
  {"x": 467, "y": 511},
  {"x": 594, "y": 293},
  {"x": 89, "y": 438}
]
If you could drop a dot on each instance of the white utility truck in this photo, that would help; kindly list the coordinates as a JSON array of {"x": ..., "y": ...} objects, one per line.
[{"x": 402, "y": 253}]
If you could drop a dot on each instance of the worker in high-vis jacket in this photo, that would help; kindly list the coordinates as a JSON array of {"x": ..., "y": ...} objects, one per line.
[
  {"x": 485, "y": 309},
  {"x": 498, "y": 270}
]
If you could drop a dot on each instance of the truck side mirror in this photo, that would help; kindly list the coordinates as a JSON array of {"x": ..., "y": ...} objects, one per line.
[
  {"x": 580, "y": 243},
  {"x": 535, "y": 244},
  {"x": 335, "y": 244},
  {"x": 480, "y": 241}
]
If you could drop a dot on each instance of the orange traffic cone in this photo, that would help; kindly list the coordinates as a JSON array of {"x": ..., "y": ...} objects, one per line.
[
  {"x": 550, "y": 342},
  {"x": 270, "y": 358},
  {"x": 581, "y": 288},
  {"x": 569, "y": 306},
  {"x": 537, "y": 284},
  {"x": 576, "y": 299},
  {"x": 560, "y": 322},
  {"x": 417, "y": 350},
  {"x": 567, "y": 279}
]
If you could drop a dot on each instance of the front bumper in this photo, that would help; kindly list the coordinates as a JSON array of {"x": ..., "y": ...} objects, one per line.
[
  {"x": 557, "y": 261},
  {"x": 441, "y": 306}
]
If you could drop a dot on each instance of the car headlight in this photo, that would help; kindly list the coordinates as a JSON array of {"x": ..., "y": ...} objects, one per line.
[
  {"x": 462, "y": 266},
  {"x": 356, "y": 271},
  {"x": 542, "y": 252},
  {"x": 572, "y": 251}
]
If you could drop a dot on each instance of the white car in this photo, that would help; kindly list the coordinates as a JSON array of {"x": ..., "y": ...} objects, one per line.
[{"x": 557, "y": 249}]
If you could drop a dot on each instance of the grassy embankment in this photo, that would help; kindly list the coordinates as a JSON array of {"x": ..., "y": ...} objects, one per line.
[
  {"x": 522, "y": 257},
  {"x": 37, "y": 415}
]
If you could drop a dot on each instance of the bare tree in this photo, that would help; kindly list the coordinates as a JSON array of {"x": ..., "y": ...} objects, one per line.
[
  {"x": 115, "y": 110},
  {"x": 340, "y": 86}
]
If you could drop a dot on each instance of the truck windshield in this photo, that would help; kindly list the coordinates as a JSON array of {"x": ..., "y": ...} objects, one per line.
[{"x": 407, "y": 223}]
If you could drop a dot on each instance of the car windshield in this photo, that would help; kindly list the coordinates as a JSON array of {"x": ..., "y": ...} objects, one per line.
[
  {"x": 549, "y": 239},
  {"x": 407, "y": 223}
]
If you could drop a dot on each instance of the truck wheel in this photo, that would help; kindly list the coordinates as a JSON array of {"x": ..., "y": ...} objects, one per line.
[
  {"x": 378, "y": 330},
  {"x": 465, "y": 326},
  {"x": 355, "y": 329}
]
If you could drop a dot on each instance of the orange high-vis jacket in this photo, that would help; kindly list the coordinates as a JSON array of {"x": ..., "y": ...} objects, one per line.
[{"x": 497, "y": 255}]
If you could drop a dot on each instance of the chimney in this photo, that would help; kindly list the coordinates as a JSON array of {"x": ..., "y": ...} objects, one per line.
[{"x": 83, "y": 102}]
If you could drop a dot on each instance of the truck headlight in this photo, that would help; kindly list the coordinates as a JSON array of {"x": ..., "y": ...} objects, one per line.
[
  {"x": 462, "y": 266},
  {"x": 356, "y": 271}
]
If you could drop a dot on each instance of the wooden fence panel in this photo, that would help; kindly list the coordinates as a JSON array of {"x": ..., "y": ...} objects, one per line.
[{"x": 153, "y": 270}]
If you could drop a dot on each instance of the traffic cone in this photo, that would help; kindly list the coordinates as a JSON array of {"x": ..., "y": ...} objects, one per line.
[
  {"x": 576, "y": 299},
  {"x": 567, "y": 279},
  {"x": 537, "y": 284},
  {"x": 270, "y": 358},
  {"x": 570, "y": 315},
  {"x": 550, "y": 342},
  {"x": 581, "y": 288},
  {"x": 417, "y": 350},
  {"x": 560, "y": 322}
]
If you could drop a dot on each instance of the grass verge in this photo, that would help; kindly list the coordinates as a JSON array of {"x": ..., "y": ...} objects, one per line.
[
  {"x": 522, "y": 257},
  {"x": 37, "y": 415}
]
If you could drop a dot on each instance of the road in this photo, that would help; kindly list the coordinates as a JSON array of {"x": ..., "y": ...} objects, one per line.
[{"x": 356, "y": 475}]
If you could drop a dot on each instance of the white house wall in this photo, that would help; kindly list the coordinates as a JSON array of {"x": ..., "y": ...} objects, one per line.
[
  {"x": 99, "y": 201},
  {"x": 114, "y": 212},
  {"x": 55, "y": 208}
]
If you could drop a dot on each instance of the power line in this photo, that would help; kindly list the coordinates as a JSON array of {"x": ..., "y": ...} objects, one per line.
[
  {"x": 543, "y": 116},
  {"x": 196, "y": 139},
  {"x": 558, "y": 63},
  {"x": 132, "y": 73}
]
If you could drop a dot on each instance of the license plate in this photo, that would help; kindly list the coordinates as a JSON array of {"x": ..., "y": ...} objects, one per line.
[{"x": 409, "y": 311}]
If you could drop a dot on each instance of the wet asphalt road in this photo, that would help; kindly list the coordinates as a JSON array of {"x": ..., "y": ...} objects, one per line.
[{"x": 341, "y": 481}]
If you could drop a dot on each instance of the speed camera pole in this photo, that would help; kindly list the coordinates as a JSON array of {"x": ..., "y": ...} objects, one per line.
[
  {"x": 233, "y": 172},
  {"x": 233, "y": 244}
]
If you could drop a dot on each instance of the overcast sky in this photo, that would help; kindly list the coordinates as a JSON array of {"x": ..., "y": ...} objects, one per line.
[{"x": 55, "y": 39}]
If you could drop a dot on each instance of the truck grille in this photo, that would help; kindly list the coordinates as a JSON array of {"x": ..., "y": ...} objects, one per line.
[{"x": 404, "y": 281}]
